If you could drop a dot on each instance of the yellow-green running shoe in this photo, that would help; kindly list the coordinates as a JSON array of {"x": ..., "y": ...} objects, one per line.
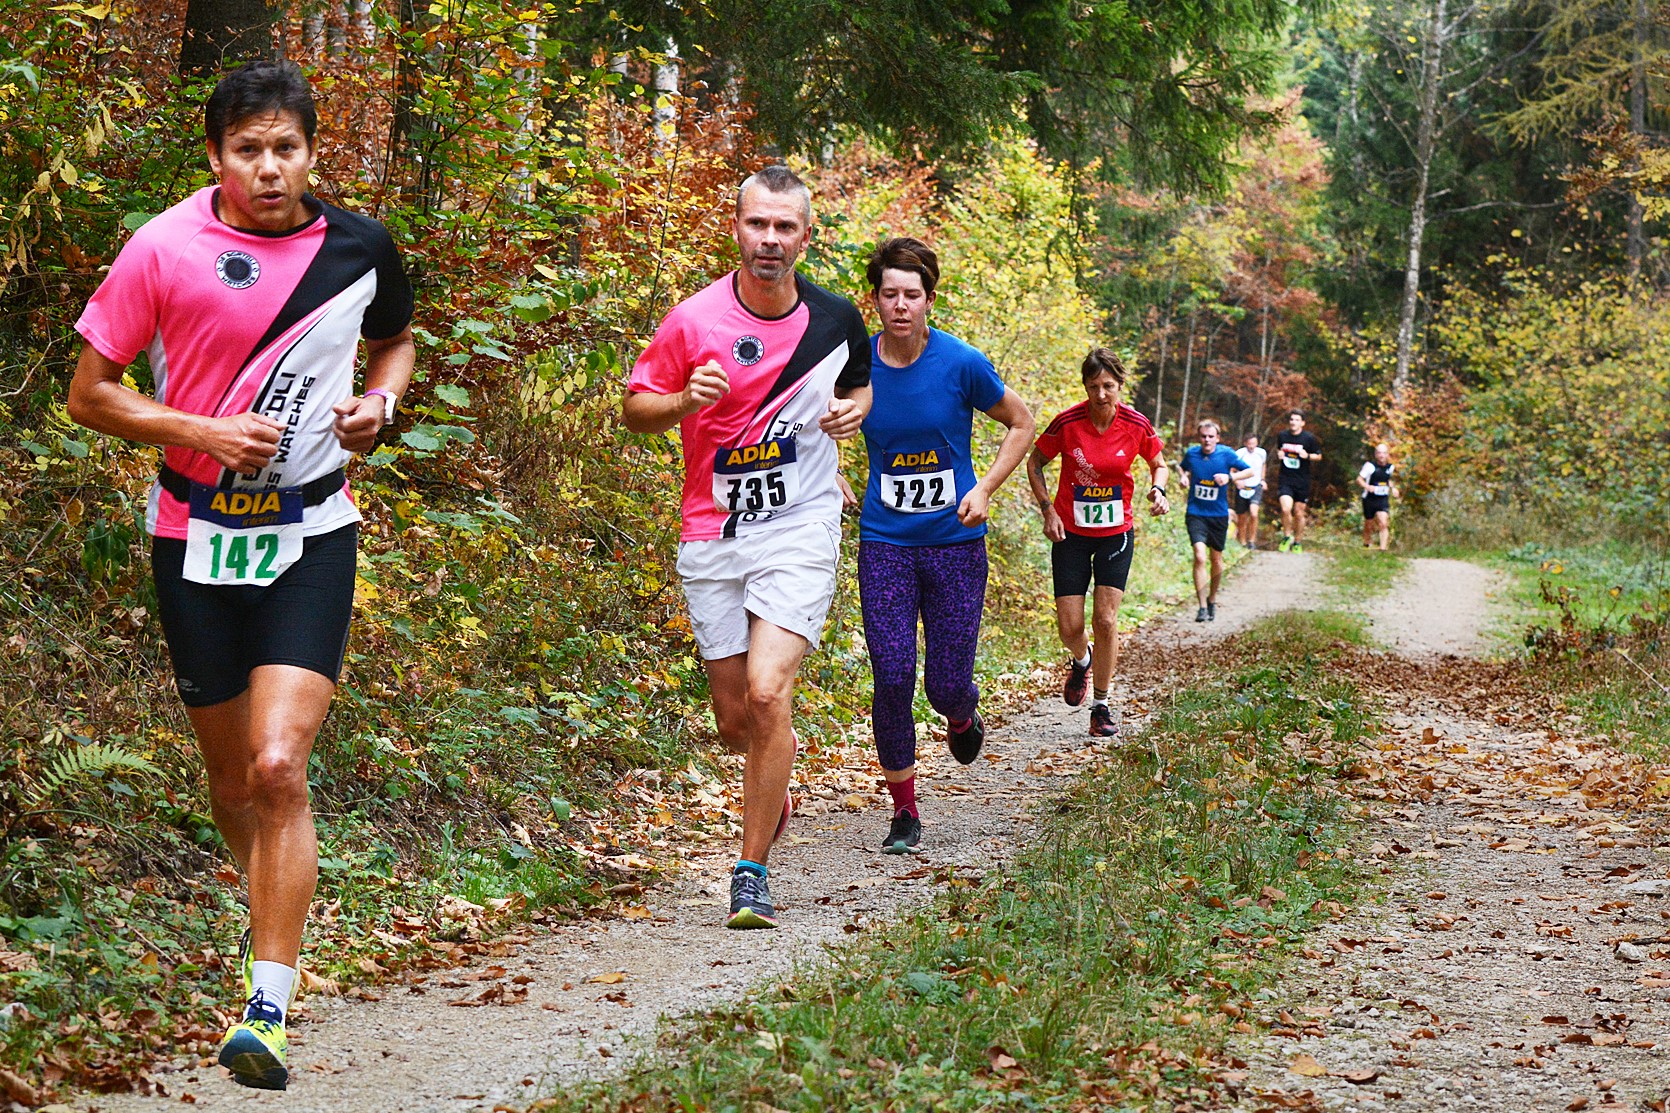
[{"x": 255, "y": 1048}]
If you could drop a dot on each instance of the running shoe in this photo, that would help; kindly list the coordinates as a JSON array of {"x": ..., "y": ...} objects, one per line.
[
  {"x": 1103, "y": 722},
  {"x": 255, "y": 1048},
  {"x": 965, "y": 744},
  {"x": 1211, "y": 612},
  {"x": 1295, "y": 548},
  {"x": 750, "y": 902},
  {"x": 1072, "y": 692},
  {"x": 246, "y": 967},
  {"x": 1200, "y": 614},
  {"x": 904, "y": 835},
  {"x": 788, "y": 810},
  {"x": 1285, "y": 544}
]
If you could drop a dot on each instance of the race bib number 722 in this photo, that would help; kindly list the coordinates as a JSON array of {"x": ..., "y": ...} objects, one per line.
[
  {"x": 917, "y": 482},
  {"x": 756, "y": 478}
]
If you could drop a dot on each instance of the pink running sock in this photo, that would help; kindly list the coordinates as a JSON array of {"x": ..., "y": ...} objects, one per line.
[
  {"x": 904, "y": 796},
  {"x": 959, "y": 727}
]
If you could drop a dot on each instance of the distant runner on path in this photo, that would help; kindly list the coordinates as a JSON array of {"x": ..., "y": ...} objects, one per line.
[
  {"x": 1089, "y": 521},
  {"x": 1375, "y": 479},
  {"x": 253, "y": 296},
  {"x": 1297, "y": 449},
  {"x": 1209, "y": 468},
  {"x": 762, "y": 372},
  {"x": 922, "y": 530},
  {"x": 1249, "y": 493}
]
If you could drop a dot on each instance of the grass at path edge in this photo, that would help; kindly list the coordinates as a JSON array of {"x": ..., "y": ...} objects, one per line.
[{"x": 1108, "y": 964}]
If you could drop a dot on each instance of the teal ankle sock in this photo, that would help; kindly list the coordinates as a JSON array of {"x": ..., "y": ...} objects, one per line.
[{"x": 752, "y": 867}]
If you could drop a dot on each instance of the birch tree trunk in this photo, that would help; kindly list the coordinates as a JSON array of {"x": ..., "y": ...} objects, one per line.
[
  {"x": 1426, "y": 132},
  {"x": 1635, "y": 244}
]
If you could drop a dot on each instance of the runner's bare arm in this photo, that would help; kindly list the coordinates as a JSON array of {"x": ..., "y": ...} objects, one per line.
[
  {"x": 847, "y": 411},
  {"x": 1158, "y": 473},
  {"x": 388, "y": 366},
  {"x": 98, "y": 400},
  {"x": 1054, "y": 530},
  {"x": 1011, "y": 411},
  {"x": 644, "y": 411}
]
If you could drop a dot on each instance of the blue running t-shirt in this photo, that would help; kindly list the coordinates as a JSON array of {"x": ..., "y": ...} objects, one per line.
[
  {"x": 1206, "y": 498},
  {"x": 917, "y": 437}
]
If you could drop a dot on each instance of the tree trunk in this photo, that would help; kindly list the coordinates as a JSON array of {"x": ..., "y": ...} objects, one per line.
[
  {"x": 1635, "y": 244},
  {"x": 221, "y": 33},
  {"x": 1426, "y": 133},
  {"x": 1160, "y": 375},
  {"x": 665, "y": 83},
  {"x": 1188, "y": 369},
  {"x": 405, "y": 172}
]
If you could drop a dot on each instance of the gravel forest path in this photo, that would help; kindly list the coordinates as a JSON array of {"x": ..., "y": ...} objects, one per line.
[
  {"x": 557, "y": 1003},
  {"x": 1520, "y": 958}
]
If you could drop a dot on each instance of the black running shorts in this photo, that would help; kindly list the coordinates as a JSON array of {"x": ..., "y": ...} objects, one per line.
[
  {"x": 1295, "y": 487},
  {"x": 1246, "y": 500},
  {"x": 1377, "y": 504},
  {"x": 1074, "y": 558},
  {"x": 1204, "y": 530},
  {"x": 217, "y": 633}
]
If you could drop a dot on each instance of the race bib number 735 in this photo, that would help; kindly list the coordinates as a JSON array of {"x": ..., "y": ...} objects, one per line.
[{"x": 756, "y": 478}]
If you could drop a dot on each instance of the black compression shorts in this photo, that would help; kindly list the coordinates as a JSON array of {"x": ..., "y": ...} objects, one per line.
[
  {"x": 217, "y": 633},
  {"x": 1208, "y": 531},
  {"x": 1074, "y": 558}
]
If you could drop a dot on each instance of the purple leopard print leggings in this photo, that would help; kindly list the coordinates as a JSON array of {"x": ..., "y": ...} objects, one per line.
[{"x": 944, "y": 585}]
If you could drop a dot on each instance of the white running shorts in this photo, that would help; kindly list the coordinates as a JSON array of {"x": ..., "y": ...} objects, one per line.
[{"x": 784, "y": 576}]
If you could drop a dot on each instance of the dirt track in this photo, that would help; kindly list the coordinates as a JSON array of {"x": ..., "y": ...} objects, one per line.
[{"x": 1480, "y": 981}]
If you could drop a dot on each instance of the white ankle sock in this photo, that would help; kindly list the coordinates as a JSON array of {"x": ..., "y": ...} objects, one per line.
[
  {"x": 1084, "y": 664},
  {"x": 273, "y": 980}
]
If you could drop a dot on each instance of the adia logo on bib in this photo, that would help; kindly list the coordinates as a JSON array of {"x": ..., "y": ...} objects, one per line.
[
  {"x": 748, "y": 350},
  {"x": 914, "y": 459},
  {"x": 247, "y": 508},
  {"x": 237, "y": 269},
  {"x": 755, "y": 455}
]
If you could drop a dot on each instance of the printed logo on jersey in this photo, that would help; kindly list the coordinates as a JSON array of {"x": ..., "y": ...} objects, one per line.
[
  {"x": 748, "y": 350},
  {"x": 237, "y": 269}
]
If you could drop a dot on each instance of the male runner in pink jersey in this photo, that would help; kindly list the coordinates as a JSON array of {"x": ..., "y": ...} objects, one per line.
[
  {"x": 762, "y": 372},
  {"x": 250, "y": 299}
]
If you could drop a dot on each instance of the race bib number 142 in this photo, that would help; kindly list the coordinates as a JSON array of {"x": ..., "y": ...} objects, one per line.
[{"x": 245, "y": 538}]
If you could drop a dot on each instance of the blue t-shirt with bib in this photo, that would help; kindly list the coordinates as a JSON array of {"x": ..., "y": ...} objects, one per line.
[
  {"x": 917, "y": 438},
  {"x": 1206, "y": 498}
]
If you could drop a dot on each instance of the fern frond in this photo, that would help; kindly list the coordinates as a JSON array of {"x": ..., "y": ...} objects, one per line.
[{"x": 83, "y": 763}]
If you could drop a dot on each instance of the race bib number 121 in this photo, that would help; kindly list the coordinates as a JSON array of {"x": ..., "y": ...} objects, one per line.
[{"x": 1098, "y": 507}]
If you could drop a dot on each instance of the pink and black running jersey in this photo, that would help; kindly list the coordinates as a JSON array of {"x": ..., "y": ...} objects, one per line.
[
  {"x": 756, "y": 460},
  {"x": 1094, "y": 497},
  {"x": 236, "y": 321}
]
